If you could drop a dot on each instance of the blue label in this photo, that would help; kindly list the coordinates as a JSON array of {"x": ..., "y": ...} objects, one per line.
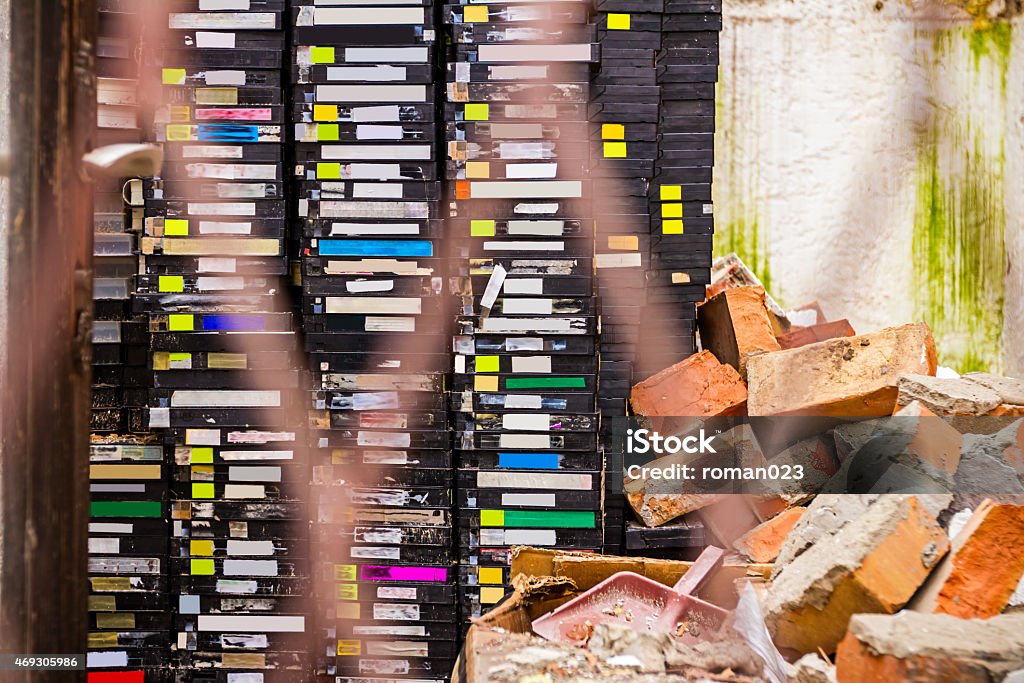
[
  {"x": 233, "y": 323},
  {"x": 528, "y": 461},
  {"x": 228, "y": 132},
  {"x": 376, "y": 248}
]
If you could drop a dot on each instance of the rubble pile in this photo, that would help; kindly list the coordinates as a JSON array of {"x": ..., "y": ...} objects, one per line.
[{"x": 898, "y": 556}]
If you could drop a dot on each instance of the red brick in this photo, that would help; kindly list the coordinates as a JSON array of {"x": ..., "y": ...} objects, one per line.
[
  {"x": 763, "y": 542},
  {"x": 934, "y": 440},
  {"x": 802, "y": 336},
  {"x": 699, "y": 386},
  {"x": 734, "y": 325}
]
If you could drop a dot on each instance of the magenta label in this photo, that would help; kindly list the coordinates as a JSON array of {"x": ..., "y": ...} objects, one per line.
[
  {"x": 233, "y": 114},
  {"x": 379, "y": 573}
]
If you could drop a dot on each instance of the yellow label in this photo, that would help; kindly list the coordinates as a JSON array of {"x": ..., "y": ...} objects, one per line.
[
  {"x": 672, "y": 226},
  {"x": 181, "y": 322},
  {"x": 348, "y": 591},
  {"x": 181, "y": 114},
  {"x": 117, "y": 620},
  {"x": 228, "y": 96},
  {"x": 344, "y": 572},
  {"x": 327, "y": 132},
  {"x": 328, "y": 171},
  {"x": 325, "y": 112},
  {"x": 102, "y": 603},
  {"x": 491, "y": 594},
  {"x": 176, "y": 226},
  {"x": 615, "y": 150},
  {"x": 171, "y": 283},
  {"x": 474, "y": 14},
  {"x": 613, "y": 131},
  {"x": 671, "y": 210},
  {"x": 227, "y": 361},
  {"x": 624, "y": 242},
  {"x": 321, "y": 55},
  {"x": 100, "y": 639},
  {"x": 201, "y": 548},
  {"x": 350, "y": 648},
  {"x": 161, "y": 360},
  {"x": 618, "y": 22},
  {"x": 670, "y": 193},
  {"x": 178, "y": 132},
  {"x": 174, "y": 77},
  {"x": 485, "y": 383},
  {"x": 481, "y": 228},
  {"x": 110, "y": 583},
  {"x": 202, "y": 490},
  {"x": 125, "y": 472},
  {"x": 488, "y": 364},
  {"x": 489, "y": 575},
  {"x": 476, "y": 112},
  {"x": 347, "y": 610},
  {"x": 478, "y": 169},
  {"x": 202, "y": 454},
  {"x": 492, "y": 518},
  {"x": 202, "y": 567}
]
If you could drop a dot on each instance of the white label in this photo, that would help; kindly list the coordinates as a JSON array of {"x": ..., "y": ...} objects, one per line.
[
  {"x": 254, "y": 474},
  {"x": 389, "y": 630},
  {"x": 492, "y": 324},
  {"x": 540, "y": 537},
  {"x": 225, "y": 228},
  {"x": 250, "y": 677},
  {"x": 373, "y": 152},
  {"x": 532, "y": 422},
  {"x": 381, "y": 113},
  {"x": 325, "y": 16},
  {"x": 250, "y": 568},
  {"x": 206, "y": 5},
  {"x": 251, "y": 623},
  {"x": 371, "y": 93},
  {"x": 242, "y": 491},
  {"x": 517, "y": 73},
  {"x": 249, "y": 21},
  {"x": 105, "y": 545},
  {"x": 376, "y": 400},
  {"x": 536, "y": 364},
  {"x": 536, "y": 500},
  {"x": 110, "y": 528},
  {"x": 524, "y": 246},
  {"x": 535, "y": 208},
  {"x": 373, "y": 304},
  {"x": 222, "y": 209},
  {"x": 212, "y": 152},
  {"x": 579, "y": 52},
  {"x": 357, "y": 286},
  {"x": 493, "y": 286},
  {"x": 236, "y": 456},
  {"x": 524, "y": 344},
  {"x": 380, "y": 324},
  {"x": 102, "y": 660},
  {"x": 534, "y": 480},
  {"x": 539, "y": 441},
  {"x": 522, "y": 401},
  {"x": 377, "y": 190},
  {"x": 527, "y": 306},
  {"x": 209, "y": 283},
  {"x": 225, "y": 398},
  {"x": 380, "y": 55},
  {"x": 396, "y": 612},
  {"x": 368, "y": 131},
  {"x": 216, "y": 265},
  {"x": 225, "y": 78},
  {"x": 524, "y": 286},
  {"x": 387, "y": 439},
  {"x": 380, "y": 535},
  {"x": 627, "y": 260},
  {"x": 210, "y": 39},
  {"x": 544, "y": 228},
  {"x": 366, "y": 73},
  {"x": 396, "y": 593},
  {"x": 375, "y": 228},
  {"x": 237, "y": 587},
  {"x": 159, "y": 418},
  {"x": 525, "y": 188},
  {"x": 250, "y": 548},
  {"x": 202, "y": 437},
  {"x": 375, "y": 553}
]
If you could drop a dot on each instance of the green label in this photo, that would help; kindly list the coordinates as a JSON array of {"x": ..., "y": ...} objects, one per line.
[
  {"x": 125, "y": 508},
  {"x": 545, "y": 382},
  {"x": 563, "y": 519}
]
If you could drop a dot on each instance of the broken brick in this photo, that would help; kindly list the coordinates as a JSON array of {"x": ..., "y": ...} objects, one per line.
[
  {"x": 657, "y": 509},
  {"x": 802, "y": 336},
  {"x": 728, "y": 518},
  {"x": 763, "y": 542},
  {"x": 734, "y": 325},
  {"x": 932, "y": 439},
  {"x": 874, "y": 564},
  {"x": 984, "y": 566},
  {"x": 847, "y": 377},
  {"x": 699, "y": 386},
  {"x": 911, "y": 647},
  {"x": 947, "y": 396}
]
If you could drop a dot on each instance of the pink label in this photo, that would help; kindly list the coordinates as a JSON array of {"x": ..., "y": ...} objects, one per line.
[
  {"x": 233, "y": 114},
  {"x": 379, "y": 573}
]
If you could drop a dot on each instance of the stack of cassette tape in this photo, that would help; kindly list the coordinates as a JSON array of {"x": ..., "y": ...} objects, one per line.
[
  {"x": 129, "y": 608},
  {"x": 625, "y": 133},
  {"x": 522, "y": 226},
  {"x": 367, "y": 184},
  {"x": 682, "y": 224},
  {"x": 223, "y": 361}
]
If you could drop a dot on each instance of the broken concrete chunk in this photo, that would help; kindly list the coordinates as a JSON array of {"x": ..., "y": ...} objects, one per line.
[
  {"x": 847, "y": 377},
  {"x": 947, "y": 396},
  {"x": 763, "y": 542},
  {"x": 987, "y": 465},
  {"x": 802, "y": 336},
  {"x": 699, "y": 386},
  {"x": 734, "y": 325},
  {"x": 932, "y": 439},
  {"x": 657, "y": 509},
  {"x": 1010, "y": 389},
  {"x": 983, "y": 568},
  {"x": 937, "y": 648},
  {"x": 874, "y": 564},
  {"x": 811, "y": 668}
]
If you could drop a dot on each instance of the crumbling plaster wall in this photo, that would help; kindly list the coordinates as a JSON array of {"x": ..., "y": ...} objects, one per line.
[{"x": 870, "y": 155}]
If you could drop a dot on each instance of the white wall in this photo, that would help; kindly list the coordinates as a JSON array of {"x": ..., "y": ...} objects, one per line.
[{"x": 871, "y": 156}]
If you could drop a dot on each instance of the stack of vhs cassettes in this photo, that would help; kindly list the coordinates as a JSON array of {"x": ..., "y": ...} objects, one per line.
[
  {"x": 368, "y": 200},
  {"x": 682, "y": 224},
  {"x": 525, "y": 372},
  {"x": 225, "y": 378},
  {"x": 625, "y": 129},
  {"x": 129, "y": 607}
]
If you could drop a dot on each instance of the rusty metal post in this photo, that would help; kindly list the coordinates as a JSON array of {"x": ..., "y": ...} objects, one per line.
[{"x": 46, "y": 378}]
